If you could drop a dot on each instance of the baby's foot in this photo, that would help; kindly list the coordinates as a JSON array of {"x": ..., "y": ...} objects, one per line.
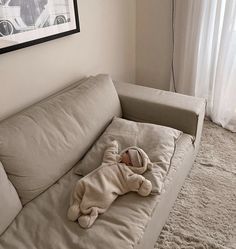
[
  {"x": 84, "y": 221},
  {"x": 73, "y": 212},
  {"x": 87, "y": 221}
]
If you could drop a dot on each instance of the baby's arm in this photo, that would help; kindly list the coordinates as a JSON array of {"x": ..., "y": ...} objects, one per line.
[
  {"x": 139, "y": 184},
  {"x": 111, "y": 152}
]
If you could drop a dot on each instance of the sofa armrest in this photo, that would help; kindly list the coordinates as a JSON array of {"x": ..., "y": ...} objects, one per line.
[{"x": 144, "y": 104}]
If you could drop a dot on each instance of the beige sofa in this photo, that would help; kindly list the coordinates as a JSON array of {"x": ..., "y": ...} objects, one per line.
[{"x": 41, "y": 146}]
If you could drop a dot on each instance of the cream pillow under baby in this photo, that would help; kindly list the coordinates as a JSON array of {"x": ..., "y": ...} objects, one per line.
[{"x": 157, "y": 141}]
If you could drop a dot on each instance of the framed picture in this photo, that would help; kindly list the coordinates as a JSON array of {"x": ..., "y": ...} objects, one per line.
[{"x": 25, "y": 23}]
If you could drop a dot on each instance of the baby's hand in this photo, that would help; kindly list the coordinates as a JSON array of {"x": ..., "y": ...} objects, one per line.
[{"x": 146, "y": 188}]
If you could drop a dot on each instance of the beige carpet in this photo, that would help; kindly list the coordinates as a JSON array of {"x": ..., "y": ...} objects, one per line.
[{"x": 204, "y": 214}]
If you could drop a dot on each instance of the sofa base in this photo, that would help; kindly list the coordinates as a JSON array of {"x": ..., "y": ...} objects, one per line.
[{"x": 166, "y": 203}]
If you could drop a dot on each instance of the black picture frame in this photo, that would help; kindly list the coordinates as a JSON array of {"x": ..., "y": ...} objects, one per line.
[{"x": 48, "y": 36}]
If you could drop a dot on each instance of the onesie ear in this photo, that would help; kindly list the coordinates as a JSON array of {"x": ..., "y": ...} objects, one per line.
[{"x": 114, "y": 142}]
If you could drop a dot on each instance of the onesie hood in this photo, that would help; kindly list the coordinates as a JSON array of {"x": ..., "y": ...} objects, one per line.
[{"x": 140, "y": 160}]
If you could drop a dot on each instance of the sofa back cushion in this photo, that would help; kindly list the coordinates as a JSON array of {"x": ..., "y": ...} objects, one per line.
[
  {"x": 10, "y": 204},
  {"x": 40, "y": 144}
]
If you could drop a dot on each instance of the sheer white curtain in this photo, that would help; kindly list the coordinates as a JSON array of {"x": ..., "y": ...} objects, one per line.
[{"x": 205, "y": 55}]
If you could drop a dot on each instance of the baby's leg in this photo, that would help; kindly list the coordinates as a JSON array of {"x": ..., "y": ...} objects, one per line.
[
  {"x": 87, "y": 221},
  {"x": 75, "y": 200}
]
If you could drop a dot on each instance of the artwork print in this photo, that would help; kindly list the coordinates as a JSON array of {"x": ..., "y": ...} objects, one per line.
[{"x": 27, "y": 22}]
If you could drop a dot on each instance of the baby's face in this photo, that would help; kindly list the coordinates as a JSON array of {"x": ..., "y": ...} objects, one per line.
[{"x": 126, "y": 159}]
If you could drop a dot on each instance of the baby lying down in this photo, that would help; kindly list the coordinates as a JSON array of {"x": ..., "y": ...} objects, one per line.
[{"x": 117, "y": 175}]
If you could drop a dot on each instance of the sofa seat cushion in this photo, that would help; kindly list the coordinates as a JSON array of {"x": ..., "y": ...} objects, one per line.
[
  {"x": 10, "y": 204},
  {"x": 43, "y": 222},
  {"x": 129, "y": 133},
  {"x": 43, "y": 142}
]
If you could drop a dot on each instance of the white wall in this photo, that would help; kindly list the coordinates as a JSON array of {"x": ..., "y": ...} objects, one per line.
[
  {"x": 153, "y": 43},
  {"x": 106, "y": 44}
]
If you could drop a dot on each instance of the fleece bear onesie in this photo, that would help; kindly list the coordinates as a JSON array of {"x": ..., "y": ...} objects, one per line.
[{"x": 94, "y": 193}]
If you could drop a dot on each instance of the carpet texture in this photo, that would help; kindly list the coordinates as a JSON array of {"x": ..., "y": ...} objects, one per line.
[{"x": 204, "y": 214}]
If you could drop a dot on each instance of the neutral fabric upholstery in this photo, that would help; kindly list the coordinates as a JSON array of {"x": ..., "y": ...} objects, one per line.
[
  {"x": 129, "y": 133},
  {"x": 40, "y": 144},
  {"x": 150, "y": 105},
  {"x": 10, "y": 204},
  {"x": 43, "y": 222}
]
